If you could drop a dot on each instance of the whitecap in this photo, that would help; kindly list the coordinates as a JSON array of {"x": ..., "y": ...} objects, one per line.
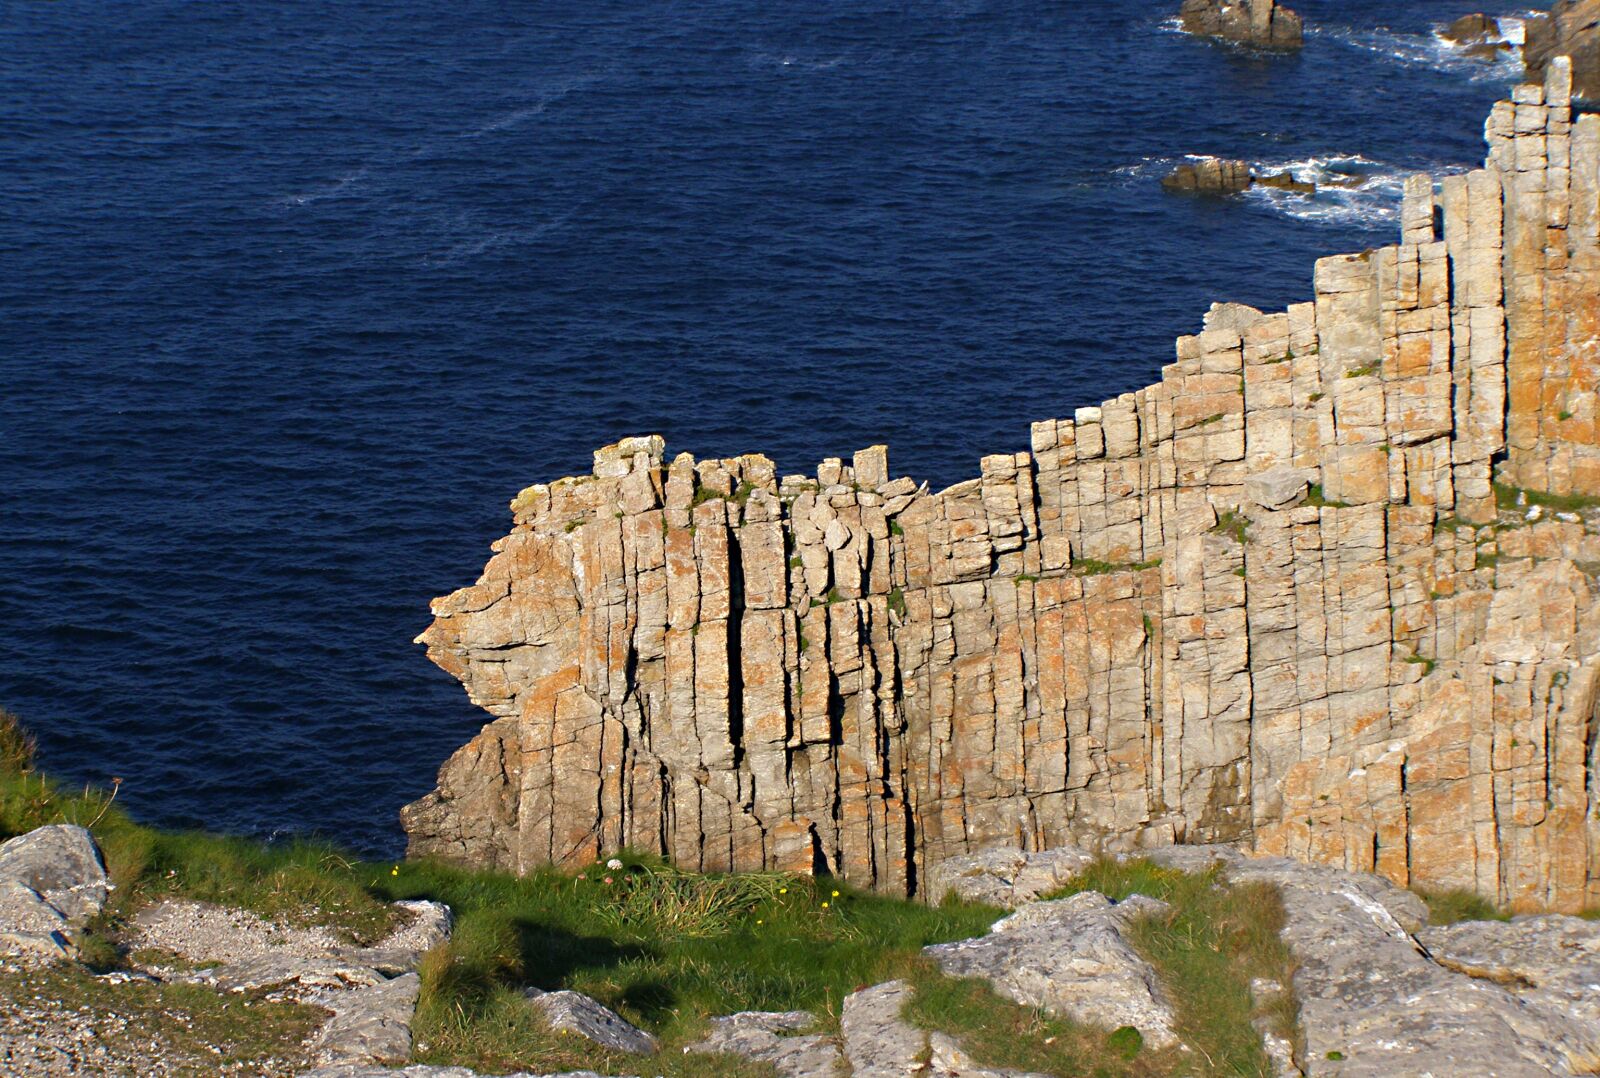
[{"x": 1431, "y": 50}]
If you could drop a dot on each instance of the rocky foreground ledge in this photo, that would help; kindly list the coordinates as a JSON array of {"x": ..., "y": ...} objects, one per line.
[{"x": 1374, "y": 992}]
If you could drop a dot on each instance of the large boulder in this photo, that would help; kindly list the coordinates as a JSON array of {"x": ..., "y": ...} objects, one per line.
[
  {"x": 52, "y": 880},
  {"x": 1263, "y": 24},
  {"x": 1481, "y": 35},
  {"x": 1572, "y": 28},
  {"x": 1071, "y": 957}
]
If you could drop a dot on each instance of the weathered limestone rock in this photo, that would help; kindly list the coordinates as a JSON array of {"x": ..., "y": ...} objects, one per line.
[
  {"x": 1550, "y": 963},
  {"x": 355, "y": 1070},
  {"x": 1570, "y": 28},
  {"x": 1268, "y": 600},
  {"x": 574, "y": 1012},
  {"x": 770, "y": 1037},
  {"x": 879, "y": 1043},
  {"x": 1004, "y": 876},
  {"x": 1261, "y": 23},
  {"x": 252, "y": 952},
  {"x": 52, "y": 880},
  {"x": 370, "y": 1025},
  {"x": 1070, "y": 958},
  {"x": 1373, "y": 1004}
]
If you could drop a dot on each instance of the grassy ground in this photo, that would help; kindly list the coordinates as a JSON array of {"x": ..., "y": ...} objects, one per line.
[{"x": 669, "y": 949}]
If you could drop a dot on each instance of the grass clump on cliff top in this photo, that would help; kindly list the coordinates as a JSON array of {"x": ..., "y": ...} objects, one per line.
[{"x": 664, "y": 948}]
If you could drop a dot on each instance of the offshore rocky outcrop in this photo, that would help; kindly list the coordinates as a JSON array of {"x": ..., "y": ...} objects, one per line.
[
  {"x": 1262, "y": 24},
  {"x": 1270, "y": 599}
]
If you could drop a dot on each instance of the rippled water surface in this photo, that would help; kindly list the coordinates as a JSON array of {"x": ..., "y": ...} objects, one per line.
[{"x": 297, "y": 295}]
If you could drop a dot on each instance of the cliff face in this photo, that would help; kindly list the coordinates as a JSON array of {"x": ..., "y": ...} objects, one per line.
[{"x": 1270, "y": 598}]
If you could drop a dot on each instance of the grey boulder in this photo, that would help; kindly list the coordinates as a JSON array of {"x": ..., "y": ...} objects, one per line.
[
  {"x": 52, "y": 880},
  {"x": 1071, "y": 957},
  {"x": 574, "y": 1012}
]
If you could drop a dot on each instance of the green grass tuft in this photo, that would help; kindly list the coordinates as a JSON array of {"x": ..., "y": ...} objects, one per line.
[{"x": 1449, "y": 907}]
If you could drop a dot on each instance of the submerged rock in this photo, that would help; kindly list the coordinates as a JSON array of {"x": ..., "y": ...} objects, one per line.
[
  {"x": 1481, "y": 35},
  {"x": 1262, "y": 23}
]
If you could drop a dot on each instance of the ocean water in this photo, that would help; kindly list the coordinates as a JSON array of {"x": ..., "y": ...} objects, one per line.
[{"x": 295, "y": 296}]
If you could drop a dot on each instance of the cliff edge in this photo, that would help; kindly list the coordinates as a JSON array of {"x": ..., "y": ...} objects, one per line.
[{"x": 1271, "y": 599}]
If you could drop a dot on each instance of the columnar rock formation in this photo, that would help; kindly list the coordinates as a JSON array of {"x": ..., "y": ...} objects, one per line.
[
  {"x": 1264, "y": 24},
  {"x": 1270, "y": 599}
]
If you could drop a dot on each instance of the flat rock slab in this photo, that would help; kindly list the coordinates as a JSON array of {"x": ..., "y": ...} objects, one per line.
[
  {"x": 771, "y": 1037},
  {"x": 51, "y": 880},
  {"x": 1071, "y": 958},
  {"x": 1005, "y": 876},
  {"x": 574, "y": 1012},
  {"x": 369, "y": 1025},
  {"x": 1551, "y": 963},
  {"x": 880, "y": 1043},
  {"x": 1372, "y": 1003}
]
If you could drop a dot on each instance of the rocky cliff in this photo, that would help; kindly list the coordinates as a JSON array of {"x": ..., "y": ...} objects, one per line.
[{"x": 1271, "y": 598}]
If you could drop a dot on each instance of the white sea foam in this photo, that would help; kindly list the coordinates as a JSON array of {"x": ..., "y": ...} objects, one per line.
[
  {"x": 1432, "y": 51},
  {"x": 1351, "y": 189},
  {"x": 795, "y": 61},
  {"x": 337, "y": 189}
]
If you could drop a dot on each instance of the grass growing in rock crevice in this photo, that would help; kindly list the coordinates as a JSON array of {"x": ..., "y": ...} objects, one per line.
[
  {"x": 1213, "y": 942},
  {"x": 999, "y": 1033}
]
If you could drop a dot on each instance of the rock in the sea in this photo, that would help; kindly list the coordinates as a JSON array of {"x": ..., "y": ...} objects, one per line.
[
  {"x": 1210, "y": 176},
  {"x": 1570, "y": 28},
  {"x": 1481, "y": 35},
  {"x": 1262, "y": 23},
  {"x": 52, "y": 880},
  {"x": 1071, "y": 957},
  {"x": 1222, "y": 176},
  {"x": 771, "y": 1037},
  {"x": 574, "y": 1012},
  {"x": 1284, "y": 181}
]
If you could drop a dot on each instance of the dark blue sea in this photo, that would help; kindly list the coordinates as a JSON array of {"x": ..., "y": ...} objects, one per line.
[{"x": 295, "y": 296}]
